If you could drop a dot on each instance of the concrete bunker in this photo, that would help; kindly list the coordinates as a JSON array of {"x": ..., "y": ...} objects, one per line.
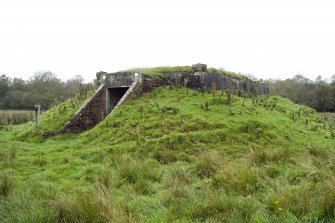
[
  {"x": 115, "y": 88},
  {"x": 113, "y": 96}
]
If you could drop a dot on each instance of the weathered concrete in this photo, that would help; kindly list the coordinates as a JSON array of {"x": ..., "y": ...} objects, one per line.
[
  {"x": 113, "y": 91},
  {"x": 134, "y": 91}
]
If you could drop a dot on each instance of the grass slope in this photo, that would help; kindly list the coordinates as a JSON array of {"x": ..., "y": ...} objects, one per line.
[
  {"x": 51, "y": 120},
  {"x": 174, "y": 155},
  {"x": 160, "y": 71}
]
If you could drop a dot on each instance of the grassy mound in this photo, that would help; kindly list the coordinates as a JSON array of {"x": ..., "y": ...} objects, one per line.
[
  {"x": 160, "y": 71},
  {"x": 175, "y": 155}
]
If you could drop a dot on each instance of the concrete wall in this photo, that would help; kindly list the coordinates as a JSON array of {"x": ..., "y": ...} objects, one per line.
[
  {"x": 119, "y": 79},
  {"x": 204, "y": 81}
]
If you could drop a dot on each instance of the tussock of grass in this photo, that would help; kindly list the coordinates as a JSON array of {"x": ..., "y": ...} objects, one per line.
[
  {"x": 178, "y": 175},
  {"x": 88, "y": 207},
  {"x": 208, "y": 162}
]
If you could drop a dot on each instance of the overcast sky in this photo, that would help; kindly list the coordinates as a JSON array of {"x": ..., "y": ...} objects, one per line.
[{"x": 268, "y": 39}]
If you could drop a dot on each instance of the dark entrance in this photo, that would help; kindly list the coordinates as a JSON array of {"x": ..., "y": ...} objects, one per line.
[{"x": 113, "y": 97}]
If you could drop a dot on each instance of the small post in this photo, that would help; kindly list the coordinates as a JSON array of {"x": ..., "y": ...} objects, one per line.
[{"x": 37, "y": 115}]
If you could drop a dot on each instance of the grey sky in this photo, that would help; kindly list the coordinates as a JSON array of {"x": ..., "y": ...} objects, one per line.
[{"x": 268, "y": 39}]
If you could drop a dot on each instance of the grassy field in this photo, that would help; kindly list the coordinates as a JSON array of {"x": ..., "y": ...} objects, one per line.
[
  {"x": 14, "y": 117},
  {"x": 174, "y": 155}
]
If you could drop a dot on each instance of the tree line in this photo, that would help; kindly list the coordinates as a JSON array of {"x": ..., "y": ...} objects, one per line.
[
  {"x": 318, "y": 94},
  {"x": 43, "y": 88}
]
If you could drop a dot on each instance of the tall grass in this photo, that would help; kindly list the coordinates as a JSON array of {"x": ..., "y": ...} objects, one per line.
[
  {"x": 41, "y": 202},
  {"x": 95, "y": 206},
  {"x": 15, "y": 117}
]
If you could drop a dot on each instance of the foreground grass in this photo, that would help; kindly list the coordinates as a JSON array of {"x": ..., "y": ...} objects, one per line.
[{"x": 174, "y": 155}]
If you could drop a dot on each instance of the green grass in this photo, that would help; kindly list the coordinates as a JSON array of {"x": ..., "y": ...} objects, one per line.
[
  {"x": 160, "y": 71},
  {"x": 51, "y": 120},
  {"x": 164, "y": 157}
]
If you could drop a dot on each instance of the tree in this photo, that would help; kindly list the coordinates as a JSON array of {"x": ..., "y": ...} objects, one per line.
[
  {"x": 317, "y": 94},
  {"x": 4, "y": 85},
  {"x": 42, "y": 88}
]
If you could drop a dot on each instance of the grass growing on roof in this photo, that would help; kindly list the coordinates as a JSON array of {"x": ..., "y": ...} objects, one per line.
[
  {"x": 167, "y": 157},
  {"x": 160, "y": 71}
]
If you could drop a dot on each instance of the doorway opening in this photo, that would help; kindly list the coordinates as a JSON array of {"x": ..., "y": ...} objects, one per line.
[{"x": 113, "y": 97}]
